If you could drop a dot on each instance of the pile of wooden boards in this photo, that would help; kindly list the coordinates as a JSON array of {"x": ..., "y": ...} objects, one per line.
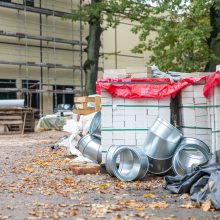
[{"x": 16, "y": 120}]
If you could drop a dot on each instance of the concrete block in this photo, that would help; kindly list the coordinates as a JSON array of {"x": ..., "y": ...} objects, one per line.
[
  {"x": 151, "y": 120},
  {"x": 187, "y": 101},
  {"x": 198, "y": 88},
  {"x": 106, "y": 100},
  {"x": 153, "y": 111},
  {"x": 200, "y": 101},
  {"x": 106, "y": 112},
  {"x": 198, "y": 95},
  {"x": 201, "y": 112},
  {"x": 203, "y": 131},
  {"x": 106, "y": 142},
  {"x": 130, "y": 141},
  {"x": 186, "y": 94},
  {"x": 188, "y": 89},
  {"x": 203, "y": 124},
  {"x": 118, "y": 135},
  {"x": 119, "y": 101},
  {"x": 118, "y": 142},
  {"x": 107, "y": 135},
  {"x": 118, "y": 112},
  {"x": 164, "y": 101}
]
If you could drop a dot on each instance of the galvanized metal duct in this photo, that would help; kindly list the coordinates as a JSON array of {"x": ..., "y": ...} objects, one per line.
[
  {"x": 160, "y": 144},
  {"x": 90, "y": 147},
  {"x": 191, "y": 152},
  {"x": 133, "y": 163},
  {"x": 95, "y": 126}
]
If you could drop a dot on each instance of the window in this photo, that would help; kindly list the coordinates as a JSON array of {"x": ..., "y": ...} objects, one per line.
[
  {"x": 5, "y": 85},
  {"x": 5, "y": 0},
  {"x": 32, "y": 99},
  {"x": 29, "y": 3},
  {"x": 61, "y": 98}
]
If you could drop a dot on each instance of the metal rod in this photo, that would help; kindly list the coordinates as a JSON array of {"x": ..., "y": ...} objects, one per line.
[
  {"x": 81, "y": 53},
  {"x": 116, "y": 49},
  {"x": 44, "y": 38},
  {"x": 47, "y": 65},
  {"x": 44, "y": 47},
  {"x": 41, "y": 68},
  {"x": 33, "y": 9}
]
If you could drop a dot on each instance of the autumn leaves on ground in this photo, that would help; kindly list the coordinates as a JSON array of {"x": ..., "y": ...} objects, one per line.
[{"x": 36, "y": 183}]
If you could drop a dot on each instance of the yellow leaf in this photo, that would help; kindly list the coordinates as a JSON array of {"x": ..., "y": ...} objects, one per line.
[
  {"x": 28, "y": 168},
  {"x": 148, "y": 195},
  {"x": 104, "y": 185}
]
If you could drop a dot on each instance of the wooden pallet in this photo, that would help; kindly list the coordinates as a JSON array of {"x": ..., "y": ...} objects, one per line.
[
  {"x": 85, "y": 110},
  {"x": 14, "y": 120}
]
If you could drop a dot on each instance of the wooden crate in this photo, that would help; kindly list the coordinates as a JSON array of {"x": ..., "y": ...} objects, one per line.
[
  {"x": 15, "y": 120},
  {"x": 85, "y": 110}
]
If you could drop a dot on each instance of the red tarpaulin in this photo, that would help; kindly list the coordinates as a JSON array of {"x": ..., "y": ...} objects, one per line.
[
  {"x": 154, "y": 87},
  {"x": 213, "y": 80}
]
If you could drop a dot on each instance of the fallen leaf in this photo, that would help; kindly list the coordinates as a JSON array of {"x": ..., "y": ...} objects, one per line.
[
  {"x": 158, "y": 205},
  {"x": 29, "y": 168},
  {"x": 99, "y": 211},
  {"x": 104, "y": 185},
  {"x": 188, "y": 205},
  {"x": 163, "y": 196},
  {"x": 117, "y": 217},
  {"x": 206, "y": 206},
  {"x": 73, "y": 212},
  {"x": 184, "y": 196},
  {"x": 149, "y": 195}
]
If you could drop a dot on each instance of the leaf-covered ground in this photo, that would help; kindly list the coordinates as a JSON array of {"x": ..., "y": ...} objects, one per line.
[{"x": 36, "y": 183}]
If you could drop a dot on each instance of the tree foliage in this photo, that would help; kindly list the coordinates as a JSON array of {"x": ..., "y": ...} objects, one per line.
[
  {"x": 186, "y": 33},
  {"x": 183, "y": 34}
]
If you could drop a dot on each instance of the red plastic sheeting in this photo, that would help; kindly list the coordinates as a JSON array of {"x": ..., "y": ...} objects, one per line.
[
  {"x": 135, "y": 91},
  {"x": 100, "y": 82},
  {"x": 213, "y": 80}
]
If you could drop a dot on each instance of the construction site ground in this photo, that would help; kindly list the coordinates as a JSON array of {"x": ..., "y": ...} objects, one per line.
[{"x": 36, "y": 183}]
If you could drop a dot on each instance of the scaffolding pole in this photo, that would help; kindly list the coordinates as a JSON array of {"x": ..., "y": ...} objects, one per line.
[{"x": 30, "y": 60}]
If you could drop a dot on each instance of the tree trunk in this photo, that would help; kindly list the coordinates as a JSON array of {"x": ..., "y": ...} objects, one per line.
[
  {"x": 92, "y": 62},
  {"x": 214, "y": 42}
]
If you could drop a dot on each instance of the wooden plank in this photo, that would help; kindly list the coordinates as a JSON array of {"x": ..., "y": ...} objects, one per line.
[
  {"x": 84, "y": 99},
  {"x": 23, "y": 126},
  {"x": 10, "y": 132},
  {"x": 84, "y": 111},
  {"x": 17, "y": 122},
  {"x": 97, "y": 103},
  {"x": 10, "y": 108},
  {"x": 11, "y": 117},
  {"x": 10, "y": 113}
]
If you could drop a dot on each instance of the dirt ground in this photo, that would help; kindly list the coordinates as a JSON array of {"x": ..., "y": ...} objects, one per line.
[{"x": 36, "y": 183}]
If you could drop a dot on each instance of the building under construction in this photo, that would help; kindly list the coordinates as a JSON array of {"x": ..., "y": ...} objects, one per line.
[{"x": 42, "y": 53}]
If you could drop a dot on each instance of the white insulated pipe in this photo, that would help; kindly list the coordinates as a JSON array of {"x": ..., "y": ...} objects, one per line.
[{"x": 12, "y": 102}]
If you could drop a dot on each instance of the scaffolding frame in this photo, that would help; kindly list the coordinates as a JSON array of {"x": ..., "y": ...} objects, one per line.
[{"x": 41, "y": 38}]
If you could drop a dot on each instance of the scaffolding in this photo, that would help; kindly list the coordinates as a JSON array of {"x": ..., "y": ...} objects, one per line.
[{"x": 38, "y": 43}]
